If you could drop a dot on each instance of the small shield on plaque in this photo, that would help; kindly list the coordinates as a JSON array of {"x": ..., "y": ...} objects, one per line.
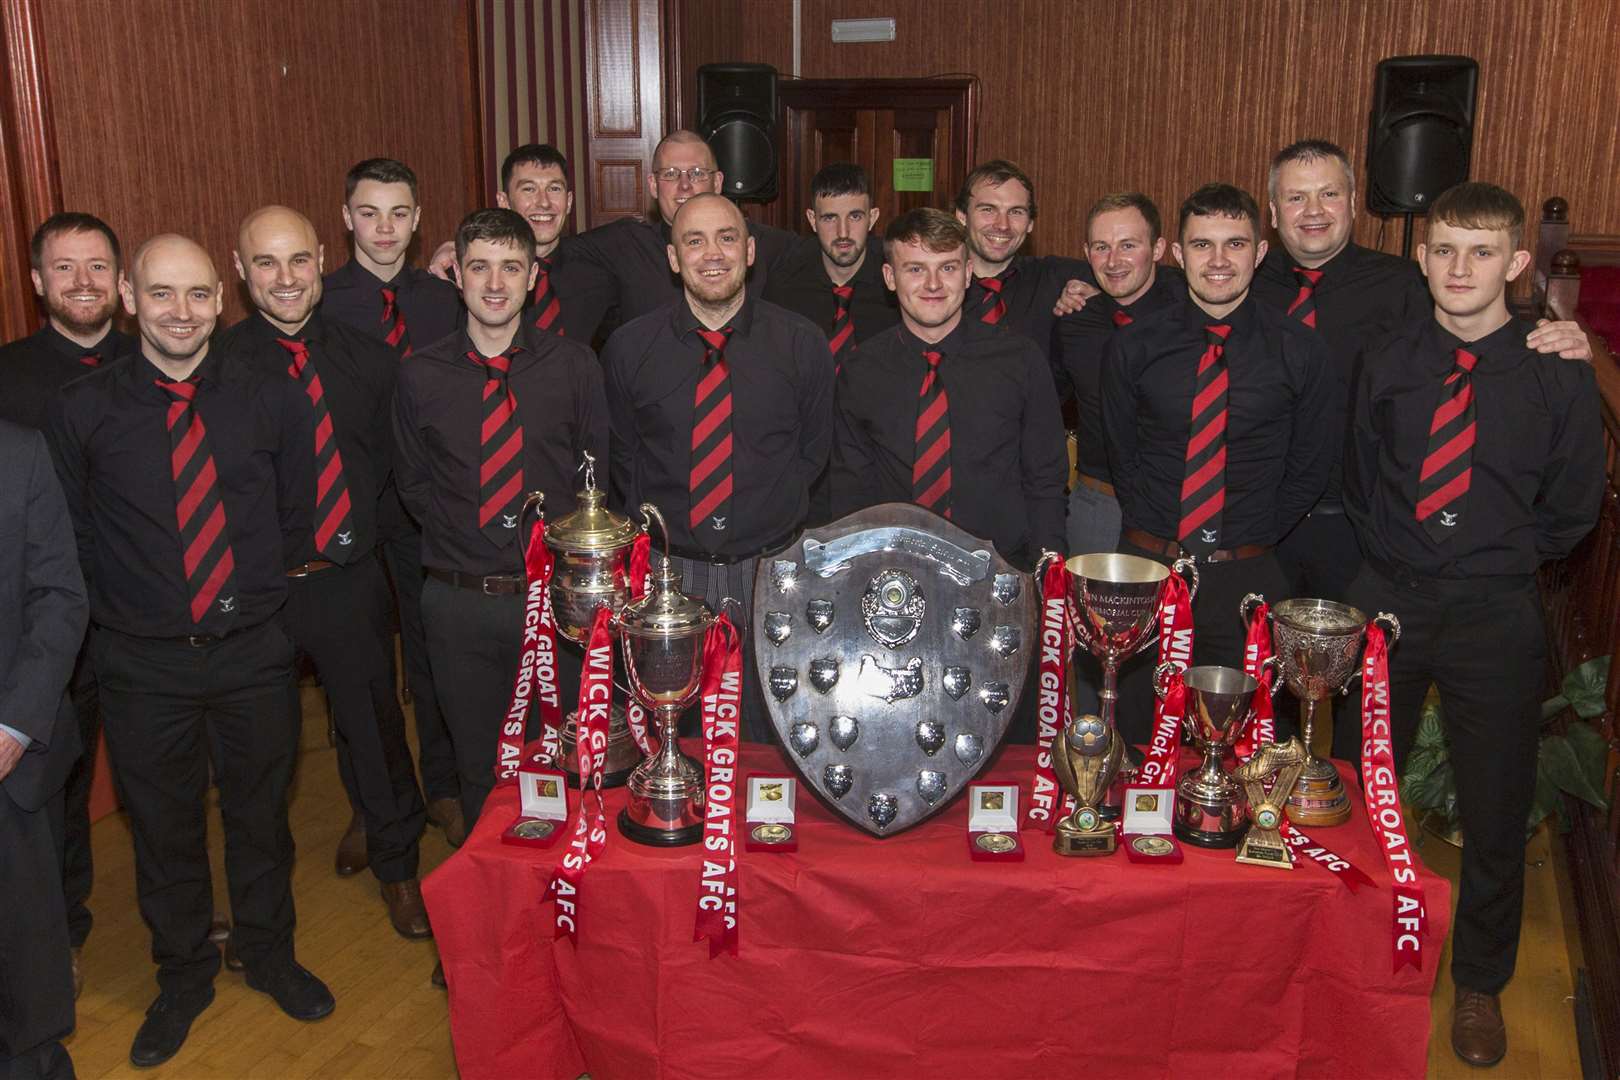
[
  {"x": 930, "y": 785},
  {"x": 804, "y": 738},
  {"x": 784, "y": 573},
  {"x": 784, "y": 681},
  {"x": 1006, "y": 588},
  {"x": 930, "y": 736},
  {"x": 843, "y": 731},
  {"x": 819, "y": 614},
  {"x": 956, "y": 681},
  {"x": 778, "y": 625},
  {"x": 881, "y": 808},
  {"x": 965, "y": 621},
  {"x": 892, "y": 608},
  {"x": 1005, "y": 640},
  {"x": 824, "y": 673},
  {"x": 968, "y": 748},
  {"x": 839, "y": 779},
  {"x": 890, "y": 684},
  {"x": 994, "y": 696}
]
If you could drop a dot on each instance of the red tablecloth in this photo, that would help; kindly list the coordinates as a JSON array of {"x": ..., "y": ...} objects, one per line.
[{"x": 902, "y": 957}]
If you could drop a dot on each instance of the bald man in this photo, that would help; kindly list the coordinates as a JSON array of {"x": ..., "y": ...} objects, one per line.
[
  {"x": 186, "y": 477},
  {"x": 337, "y": 593},
  {"x": 743, "y": 490}
]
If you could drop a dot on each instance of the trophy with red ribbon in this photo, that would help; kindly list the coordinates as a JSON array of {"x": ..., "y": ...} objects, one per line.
[{"x": 590, "y": 547}]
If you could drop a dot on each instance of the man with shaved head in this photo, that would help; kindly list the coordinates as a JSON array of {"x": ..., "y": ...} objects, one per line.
[
  {"x": 337, "y": 594},
  {"x": 186, "y": 478},
  {"x": 731, "y": 490}
]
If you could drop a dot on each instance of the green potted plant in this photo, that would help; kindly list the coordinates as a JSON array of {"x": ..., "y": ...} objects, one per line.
[{"x": 1571, "y": 761}]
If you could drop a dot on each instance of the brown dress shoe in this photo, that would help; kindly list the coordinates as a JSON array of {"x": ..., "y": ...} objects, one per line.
[
  {"x": 446, "y": 814},
  {"x": 405, "y": 908},
  {"x": 76, "y": 955},
  {"x": 1477, "y": 1033},
  {"x": 351, "y": 850}
]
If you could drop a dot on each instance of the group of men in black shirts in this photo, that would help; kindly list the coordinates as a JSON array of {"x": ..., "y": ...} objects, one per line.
[{"x": 244, "y": 496}]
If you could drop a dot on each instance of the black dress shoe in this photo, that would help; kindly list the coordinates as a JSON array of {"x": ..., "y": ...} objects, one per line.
[
  {"x": 233, "y": 961},
  {"x": 301, "y": 995},
  {"x": 167, "y": 1023},
  {"x": 352, "y": 856}
]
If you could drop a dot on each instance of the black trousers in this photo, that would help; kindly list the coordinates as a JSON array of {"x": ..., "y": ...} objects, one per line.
[
  {"x": 475, "y": 642},
  {"x": 171, "y": 710},
  {"x": 436, "y": 757},
  {"x": 339, "y": 618},
  {"x": 1219, "y": 633},
  {"x": 715, "y": 585},
  {"x": 1321, "y": 557},
  {"x": 36, "y": 981},
  {"x": 1482, "y": 642},
  {"x": 77, "y": 871}
]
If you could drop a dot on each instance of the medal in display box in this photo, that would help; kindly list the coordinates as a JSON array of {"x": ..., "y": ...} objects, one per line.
[
  {"x": 544, "y": 794},
  {"x": 770, "y": 819},
  {"x": 1146, "y": 828},
  {"x": 993, "y": 823}
]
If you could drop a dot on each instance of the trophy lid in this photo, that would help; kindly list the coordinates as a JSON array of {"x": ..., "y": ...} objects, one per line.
[
  {"x": 591, "y": 528},
  {"x": 665, "y": 612}
]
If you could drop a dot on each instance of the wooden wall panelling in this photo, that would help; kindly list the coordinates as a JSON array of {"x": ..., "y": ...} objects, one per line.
[
  {"x": 29, "y": 179},
  {"x": 625, "y": 91},
  {"x": 183, "y": 115}
]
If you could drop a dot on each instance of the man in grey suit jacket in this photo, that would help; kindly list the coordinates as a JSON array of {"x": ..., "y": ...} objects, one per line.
[{"x": 43, "y": 610}]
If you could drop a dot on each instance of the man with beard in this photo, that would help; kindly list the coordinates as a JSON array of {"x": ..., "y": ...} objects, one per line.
[
  {"x": 721, "y": 407},
  {"x": 1217, "y": 416},
  {"x": 76, "y": 271},
  {"x": 337, "y": 595},
  {"x": 185, "y": 478},
  {"x": 379, "y": 293}
]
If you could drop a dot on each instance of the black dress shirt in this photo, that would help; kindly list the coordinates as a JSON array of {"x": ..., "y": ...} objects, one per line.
[
  {"x": 584, "y": 292},
  {"x": 1083, "y": 338},
  {"x": 109, "y": 435},
  {"x": 1364, "y": 296},
  {"x": 781, "y": 388},
  {"x": 1279, "y": 416},
  {"x": 357, "y": 375},
  {"x": 34, "y": 368},
  {"x": 1537, "y": 472},
  {"x": 351, "y": 294},
  {"x": 438, "y": 417},
  {"x": 1031, "y": 287},
  {"x": 800, "y": 283},
  {"x": 1008, "y": 459},
  {"x": 634, "y": 253}
]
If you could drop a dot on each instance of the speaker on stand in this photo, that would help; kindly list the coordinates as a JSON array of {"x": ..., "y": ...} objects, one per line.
[
  {"x": 1420, "y": 134},
  {"x": 737, "y": 116}
]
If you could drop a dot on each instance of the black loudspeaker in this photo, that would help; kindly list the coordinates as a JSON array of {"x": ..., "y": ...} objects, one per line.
[
  {"x": 1421, "y": 132},
  {"x": 737, "y": 115}
]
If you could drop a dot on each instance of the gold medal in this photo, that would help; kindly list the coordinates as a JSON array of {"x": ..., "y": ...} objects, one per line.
[
  {"x": 996, "y": 843},
  {"x": 772, "y": 834},
  {"x": 534, "y": 829},
  {"x": 1152, "y": 845}
]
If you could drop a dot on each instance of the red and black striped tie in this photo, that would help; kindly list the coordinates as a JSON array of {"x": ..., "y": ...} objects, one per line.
[
  {"x": 334, "y": 523},
  {"x": 843, "y": 329},
  {"x": 1448, "y": 465},
  {"x": 710, "y": 487},
  {"x": 1304, "y": 306},
  {"x": 91, "y": 359},
  {"x": 393, "y": 317},
  {"x": 543, "y": 301},
  {"x": 1203, "y": 492},
  {"x": 198, "y": 508},
  {"x": 994, "y": 308},
  {"x": 931, "y": 467},
  {"x": 500, "y": 469},
  {"x": 1122, "y": 318}
]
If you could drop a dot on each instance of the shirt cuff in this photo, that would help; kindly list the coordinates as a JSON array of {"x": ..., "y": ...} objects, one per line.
[{"x": 19, "y": 736}]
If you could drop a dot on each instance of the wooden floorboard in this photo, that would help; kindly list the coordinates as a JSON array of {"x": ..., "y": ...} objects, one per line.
[{"x": 391, "y": 1022}]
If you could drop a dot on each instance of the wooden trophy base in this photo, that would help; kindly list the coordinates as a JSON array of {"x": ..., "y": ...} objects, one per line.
[
  {"x": 1072, "y": 841},
  {"x": 1264, "y": 847},
  {"x": 1319, "y": 802}
]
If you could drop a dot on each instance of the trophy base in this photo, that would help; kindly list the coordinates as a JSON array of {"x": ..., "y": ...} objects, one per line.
[
  {"x": 1071, "y": 841},
  {"x": 1223, "y": 838},
  {"x": 644, "y": 834},
  {"x": 609, "y": 780},
  {"x": 1319, "y": 801},
  {"x": 1264, "y": 848}
]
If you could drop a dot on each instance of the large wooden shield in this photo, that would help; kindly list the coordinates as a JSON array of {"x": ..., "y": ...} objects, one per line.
[{"x": 893, "y": 648}]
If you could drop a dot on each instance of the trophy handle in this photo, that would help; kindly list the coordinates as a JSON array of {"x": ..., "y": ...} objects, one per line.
[
  {"x": 650, "y": 514},
  {"x": 1162, "y": 675},
  {"x": 1041, "y": 563},
  {"x": 1188, "y": 569},
  {"x": 1247, "y": 605},
  {"x": 536, "y": 502},
  {"x": 1275, "y": 663},
  {"x": 1390, "y": 624}
]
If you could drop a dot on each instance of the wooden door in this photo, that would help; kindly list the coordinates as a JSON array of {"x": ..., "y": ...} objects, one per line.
[{"x": 625, "y": 105}]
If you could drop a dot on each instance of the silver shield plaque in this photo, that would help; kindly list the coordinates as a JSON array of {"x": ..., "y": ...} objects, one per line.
[{"x": 909, "y": 700}]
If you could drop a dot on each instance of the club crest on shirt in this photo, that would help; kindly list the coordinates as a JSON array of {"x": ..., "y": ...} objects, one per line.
[
  {"x": 719, "y": 524},
  {"x": 227, "y": 604},
  {"x": 508, "y": 521},
  {"x": 1447, "y": 518},
  {"x": 1210, "y": 535},
  {"x": 346, "y": 538}
]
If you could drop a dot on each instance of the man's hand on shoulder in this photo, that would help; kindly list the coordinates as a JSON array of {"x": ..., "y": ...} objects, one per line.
[
  {"x": 443, "y": 261},
  {"x": 11, "y": 752},
  {"x": 1074, "y": 296},
  {"x": 1564, "y": 338}
]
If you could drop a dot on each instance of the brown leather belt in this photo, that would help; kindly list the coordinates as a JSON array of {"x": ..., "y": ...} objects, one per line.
[
  {"x": 311, "y": 567},
  {"x": 494, "y": 585},
  {"x": 1172, "y": 550},
  {"x": 1095, "y": 484}
]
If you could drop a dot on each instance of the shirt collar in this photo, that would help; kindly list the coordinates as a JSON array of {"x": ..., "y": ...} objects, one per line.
[
  {"x": 313, "y": 332},
  {"x": 1496, "y": 343},
  {"x": 65, "y": 346},
  {"x": 1239, "y": 318},
  {"x": 145, "y": 374},
  {"x": 952, "y": 342},
  {"x": 686, "y": 323}
]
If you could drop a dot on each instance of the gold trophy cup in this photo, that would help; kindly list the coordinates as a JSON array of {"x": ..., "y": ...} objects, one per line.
[
  {"x": 1263, "y": 845},
  {"x": 1086, "y": 757}
]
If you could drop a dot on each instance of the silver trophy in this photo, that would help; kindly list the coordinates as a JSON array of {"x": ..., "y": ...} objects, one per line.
[
  {"x": 1211, "y": 809},
  {"x": 1318, "y": 645},
  {"x": 590, "y": 546},
  {"x": 662, "y": 635}
]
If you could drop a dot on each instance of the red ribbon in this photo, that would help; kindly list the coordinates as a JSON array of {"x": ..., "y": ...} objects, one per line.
[
  {"x": 537, "y": 666},
  {"x": 1256, "y": 651},
  {"x": 1175, "y": 646},
  {"x": 590, "y": 743},
  {"x": 1053, "y": 704},
  {"x": 1409, "y": 917},
  {"x": 1348, "y": 874},
  {"x": 640, "y": 556},
  {"x": 721, "y": 693}
]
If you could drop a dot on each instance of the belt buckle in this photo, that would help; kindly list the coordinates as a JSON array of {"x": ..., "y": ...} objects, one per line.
[
  {"x": 487, "y": 588},
  {"x": 300, "y": 571},
  {"x": 198, "y": 641}
]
